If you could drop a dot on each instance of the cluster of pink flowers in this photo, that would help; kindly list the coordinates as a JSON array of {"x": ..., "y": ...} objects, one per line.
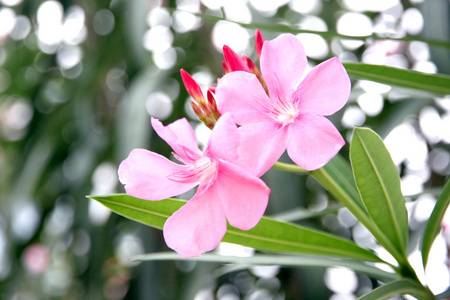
[{"x": 255, "y": 115}]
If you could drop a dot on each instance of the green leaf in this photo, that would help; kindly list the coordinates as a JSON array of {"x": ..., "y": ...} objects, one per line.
[
  {"x": 151, "y": 213},
  {"x": 378, "y": 183},
  {"x": 434, "y": 223},
  {"x": 435, "y": 83},
  {"x": 325, "y": 34},
  {"x": 306, "y": 261},
  {"x": 268, "y": 235},
  {"x": 336, "y": 176},
  {"x": 399, "y": 287}
]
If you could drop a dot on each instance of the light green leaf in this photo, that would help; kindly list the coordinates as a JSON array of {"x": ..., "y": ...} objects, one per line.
[
  {"x": 434, "y": 223},
  {"x": 435, "y": 83},
  {"x": 306, "y": 261},
  {"x": 268, "y": 235},
  {"x": 399, "y": 287},
  {"x": 378, "y": 183}
]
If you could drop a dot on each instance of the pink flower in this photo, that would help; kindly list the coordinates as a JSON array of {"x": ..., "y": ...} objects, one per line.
[
  {"x": 292, "y": 116},
  {"x": 225, "y": 190}
]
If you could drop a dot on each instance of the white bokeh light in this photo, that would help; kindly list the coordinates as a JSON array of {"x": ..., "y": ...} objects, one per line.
[
  {"x": 341, "y": 280},
  {"x": 183, "y": 19},
  {"x": 370, "y": 5},
  {"x": 431, "y": 124},
  {"x": 74, "y": 30},
  {"x": 103, "y": 22},
  {"x": 268, "y": 7},
  {"x": 306, "y": 7},
  {"x": 159, "y": 105},
  {"x": 237, "y": 11},
  {"x": 11, "y": 2},
  {"x": 213, "y": 4},
  {"x": 371, "y": 103},
  {"x": 230, "y": 34},
  {"x": 346, "y": 24},
  {"x": 412, "y": 21},
  {"x": 129, "y": 245},
  {"x": 202, "y": 133},
  {"x": 313, "y": 23},
  {"x": 437, "y": 271},
  {"x": 158, "y": 39},
  {"x": 7, "y": 21},
  {"x": 425, "y": 67},
  {"x": 69, "y": 56},
  {"x": 165, "y": 60},
  {"x": 419, "y": 50},
  {"x": 159, "y": 17},
  {"x": 353, "y": 116},
  {"x": 98, "y": 213},
  {"x": 315, "y": 46},
  {"x": 21, "y": 29}
]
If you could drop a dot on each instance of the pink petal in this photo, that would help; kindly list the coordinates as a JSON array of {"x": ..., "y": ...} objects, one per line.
[
  {"x": 225, "y": 139},
  {"x": 325, "y": 89},
  {"x": 241, "y": 94},
  {"x": 192, "y": 87},
  {"x": 283, "y": 61},
  {"x": 180, "y": 136},
  {"x": 145, "y": 175},
  {"x": 244, "y": 196},
  {"x": 198, "y": 226},
  {"x": 312, "y": 141},
  {"x": 262, "y": 144},
  {"x": 233, "y": 60}
]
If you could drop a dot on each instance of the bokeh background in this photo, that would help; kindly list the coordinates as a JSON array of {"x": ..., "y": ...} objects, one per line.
[{"x": 79, "y": 81}]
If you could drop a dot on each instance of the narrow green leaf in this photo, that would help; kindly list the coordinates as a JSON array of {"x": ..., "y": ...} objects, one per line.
[
  {"x": 325, "y": 34},
  {"x": 306, "y": 261},
  {"x": 434, "y": 223},
  {"x": 399, "y": 287},
  {"x": 151, "y": 213},
  {"x": 435, "y": 83},
  {"x": 268, "y": 235},
  {"x": 298, "y": 214},
  {"x": 378, "y": 183}
]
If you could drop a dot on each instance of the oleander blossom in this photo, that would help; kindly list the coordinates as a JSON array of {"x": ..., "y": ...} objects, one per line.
[
  {"x": 225, "y": 190},
  {"x": 292, "y": 114}
]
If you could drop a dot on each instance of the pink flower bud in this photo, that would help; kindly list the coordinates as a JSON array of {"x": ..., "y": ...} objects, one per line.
[
  {"x": 192, "y": 87},
  {"x": 234, "y": 61},
  {"x": 259, "y": 41}
]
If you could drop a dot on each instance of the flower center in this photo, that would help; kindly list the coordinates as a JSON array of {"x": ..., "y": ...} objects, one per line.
[
  {"x": 283, "y": 111},
  {"x": 202, "y": 171},
  {"x": 205, "y": 169},
  {"x": 286, "y": 116}
]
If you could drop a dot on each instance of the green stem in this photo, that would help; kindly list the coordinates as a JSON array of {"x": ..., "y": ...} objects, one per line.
[{"x": 289, "y": 168}]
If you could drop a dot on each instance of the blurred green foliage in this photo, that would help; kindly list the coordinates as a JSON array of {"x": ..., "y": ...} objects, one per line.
[{"x": 65, "y": 128}]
